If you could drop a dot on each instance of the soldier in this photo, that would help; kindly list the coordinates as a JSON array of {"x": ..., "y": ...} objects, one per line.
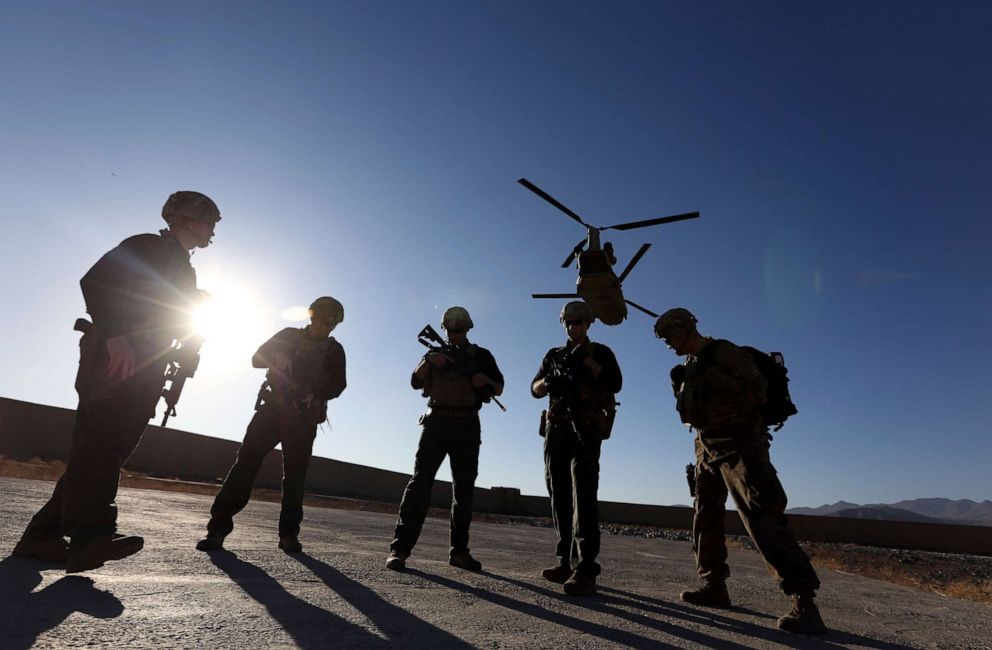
[
  {"x": 139, "y": 295},
  {"x": 456, "y": 381},
  {"x": 718, "y": 393},
  {"x": 582, "y": 379},
  {"x": 306, "y": 368}
]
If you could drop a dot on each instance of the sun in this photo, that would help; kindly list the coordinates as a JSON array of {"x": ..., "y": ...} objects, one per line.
[{"x": 232, "y": 323}]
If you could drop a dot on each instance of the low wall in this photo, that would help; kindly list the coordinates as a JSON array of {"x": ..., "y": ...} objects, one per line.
[{"x": 30, "y": 430}]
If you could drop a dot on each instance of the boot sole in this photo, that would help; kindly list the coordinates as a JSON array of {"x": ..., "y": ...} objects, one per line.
[
  {"x": 814, "y": 630},
  {"x": 712, "y": 605},
  {"x": 83, "y": 561},
  {"x": 558, "y": 580}
]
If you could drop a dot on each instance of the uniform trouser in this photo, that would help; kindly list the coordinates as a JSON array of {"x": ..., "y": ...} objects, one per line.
[
  {"x": 571, "y": 471},
  {"x": 109, "y": 422},
  {"x": 270, "y": 425},
  {"x": 751, "y": 480},
  {"x": 458, "y": 438}
]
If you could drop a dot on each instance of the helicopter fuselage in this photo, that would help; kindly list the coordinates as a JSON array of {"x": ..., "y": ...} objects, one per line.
[
  {"x": 599, "y": 287},
  {"x": 598, "y": 284}
]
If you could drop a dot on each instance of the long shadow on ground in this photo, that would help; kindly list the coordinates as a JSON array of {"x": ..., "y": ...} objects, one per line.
[
  {"x": 26, "y": 614},
  {"x": 311, "y": 626},
  {"x": 587, "y": 627},
  {"x": 395, "y": 622},
  {"x": 834, "y": 639}
]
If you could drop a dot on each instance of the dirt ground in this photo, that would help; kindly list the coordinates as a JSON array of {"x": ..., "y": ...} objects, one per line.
[{"x": 968, "y": 577}]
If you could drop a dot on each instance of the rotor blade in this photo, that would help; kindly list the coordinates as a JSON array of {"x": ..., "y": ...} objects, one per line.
[
  {"x": 636, "y": 306},
  {"x": 575, "y": 251},
  {"x": 652, "y": 222},
  {"x": 554, "y": 295},
  {"x": 634, "y": 260},
  {"x": 552, "y": 200}
]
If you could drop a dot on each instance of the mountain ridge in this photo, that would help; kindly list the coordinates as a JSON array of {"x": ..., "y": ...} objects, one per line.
[{"x": 930, "y": 510}]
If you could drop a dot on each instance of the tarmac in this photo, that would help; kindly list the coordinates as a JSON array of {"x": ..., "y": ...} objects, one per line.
[{"x": 338, "y": 593}]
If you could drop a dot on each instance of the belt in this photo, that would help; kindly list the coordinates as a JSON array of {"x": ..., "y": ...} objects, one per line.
[{"x": 453, "y": 413}]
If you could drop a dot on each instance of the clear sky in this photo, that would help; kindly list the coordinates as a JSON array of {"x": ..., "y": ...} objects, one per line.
[{"x": 838, "y": 152}]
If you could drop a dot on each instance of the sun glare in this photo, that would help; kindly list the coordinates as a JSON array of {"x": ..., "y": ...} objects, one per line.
[
  {"x": 232, "y": 324},
  {"x": 298, "y": 313}
]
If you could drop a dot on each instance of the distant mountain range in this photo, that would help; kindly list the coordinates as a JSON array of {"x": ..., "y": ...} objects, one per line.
[{"x": 934, "y": 511}]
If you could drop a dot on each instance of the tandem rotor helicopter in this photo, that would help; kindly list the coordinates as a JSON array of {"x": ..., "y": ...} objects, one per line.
[{"x": 598, "y": 285}]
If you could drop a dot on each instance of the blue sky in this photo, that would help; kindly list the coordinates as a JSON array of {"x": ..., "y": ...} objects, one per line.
[{"x": 838, "y": 154}]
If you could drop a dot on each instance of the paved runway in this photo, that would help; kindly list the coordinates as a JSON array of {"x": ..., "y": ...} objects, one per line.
[{"x": 337, "y": 594}]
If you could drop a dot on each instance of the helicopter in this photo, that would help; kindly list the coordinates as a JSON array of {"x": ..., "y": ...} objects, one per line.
[{"x": 598, "y": 285}]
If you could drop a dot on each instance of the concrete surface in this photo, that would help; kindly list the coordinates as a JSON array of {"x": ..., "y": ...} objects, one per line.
[{"x": 337, "y": 594}]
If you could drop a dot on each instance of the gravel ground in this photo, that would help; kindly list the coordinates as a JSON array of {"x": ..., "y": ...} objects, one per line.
[
  {"x": 960, "y": 576},
  {"x": 338, "y": 593},
  {"x": 968, "y": 577}
]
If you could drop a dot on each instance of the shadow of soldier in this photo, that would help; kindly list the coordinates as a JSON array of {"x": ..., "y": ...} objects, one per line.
[
  {"x": 309, "y": 626},
  {"x": 714, "y": 617},
  {"x": 608, "y": 633},
  {"x": 27, "y": 614},
  {"x": 395, "y": 622}
]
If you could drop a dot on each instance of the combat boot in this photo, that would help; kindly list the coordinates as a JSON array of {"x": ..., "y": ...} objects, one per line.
[
  {"x": 464, "y": 560},
  {"x": 397, "y": 559},
  {"x": 46, "y": 549},
  {"x": 290, "y": 544},
  {"x": 92, "y": 554},
  {"x": 804, "y": 617},
  {"x": 580, "y": 585},
  {"x": 558, "y": 574},
  {"x": 711, "y": 594},
  {"x": 211, "y": 542}
]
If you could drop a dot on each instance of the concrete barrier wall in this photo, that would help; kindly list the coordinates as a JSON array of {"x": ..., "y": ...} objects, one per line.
[{"x": 30, "y": 430}]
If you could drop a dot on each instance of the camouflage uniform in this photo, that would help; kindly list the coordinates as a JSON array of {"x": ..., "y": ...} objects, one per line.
[
  {"x": 318, "y": 368},
  {"x": 719, "y": 396},
  {"x": 577, "y": 421},
  {"x": 144, "y": 290},
  {"x": 450, "y": 428}
]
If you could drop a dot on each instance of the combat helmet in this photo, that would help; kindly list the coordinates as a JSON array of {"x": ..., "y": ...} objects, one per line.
[
  {"x": 327, "y": 308},
  {"x": 576, "y": 309},
  {"x": 678, "y": 319},
  {"x": 190, "y": 205},
  {"x": 456, "y": 316}
]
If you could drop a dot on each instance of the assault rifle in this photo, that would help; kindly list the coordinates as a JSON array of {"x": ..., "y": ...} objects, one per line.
[
  {"x": 430, "y": 339},
  {"x": 185, "y": 358}
]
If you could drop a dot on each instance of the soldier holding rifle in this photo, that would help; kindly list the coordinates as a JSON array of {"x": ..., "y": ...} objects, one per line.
[
  {"x": 457, "y": 379},
  {"x": 306, "y": 368},
  {"x": 581, "y": 379},
  {"x": 139, "y": 295}
]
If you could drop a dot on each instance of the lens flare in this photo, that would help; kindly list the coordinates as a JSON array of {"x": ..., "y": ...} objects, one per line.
[{"x": 232, "y": 324}]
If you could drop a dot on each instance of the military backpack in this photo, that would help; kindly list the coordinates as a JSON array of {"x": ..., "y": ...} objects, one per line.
[{"x": 779, "y": 406}]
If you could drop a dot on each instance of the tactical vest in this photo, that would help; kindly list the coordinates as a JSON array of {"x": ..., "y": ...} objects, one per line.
[
  {"x": 704, "y": 407},
  {"x": 307, "y": 357},
  {"x": 451, "y": 387},
  {"x": 591, "y": 409}
]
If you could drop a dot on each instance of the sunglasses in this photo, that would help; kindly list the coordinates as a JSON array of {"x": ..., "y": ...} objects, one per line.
[
  {"x": 456, "y": 331},
  {"x": 574, "y": 323}
]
